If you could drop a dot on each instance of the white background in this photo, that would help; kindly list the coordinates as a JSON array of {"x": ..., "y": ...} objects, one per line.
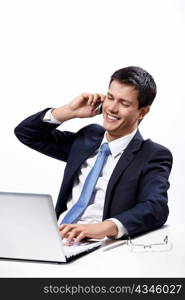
[{"x": 53, "y": 50}]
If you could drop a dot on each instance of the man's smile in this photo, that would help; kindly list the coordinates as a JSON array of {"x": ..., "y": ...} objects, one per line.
[{"x": 111, "y": 118}]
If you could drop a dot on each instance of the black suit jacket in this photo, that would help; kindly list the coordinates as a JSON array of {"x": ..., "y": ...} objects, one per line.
[{"x": 137, "y": 190}]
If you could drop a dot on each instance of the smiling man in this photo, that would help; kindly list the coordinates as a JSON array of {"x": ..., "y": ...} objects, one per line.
[
  {"x": 121, "y": 110},
  {"x": 115, "y": 183}
]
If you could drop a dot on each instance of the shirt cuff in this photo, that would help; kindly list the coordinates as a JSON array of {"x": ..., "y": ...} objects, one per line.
[
  {"x": 48, "y": 118},
  {"x": 121, "y": 228}
]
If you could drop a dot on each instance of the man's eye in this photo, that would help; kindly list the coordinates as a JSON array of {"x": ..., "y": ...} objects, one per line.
[
  {"x": 110, "y": 98},
  {"x": 124, "y": 104}
]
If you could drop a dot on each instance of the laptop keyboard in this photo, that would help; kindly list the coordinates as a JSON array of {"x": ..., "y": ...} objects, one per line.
[{"x": 78, "y": 248}]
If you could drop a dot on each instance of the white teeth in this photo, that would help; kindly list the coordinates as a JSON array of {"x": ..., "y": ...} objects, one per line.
[{"x": 111, "y": 117}]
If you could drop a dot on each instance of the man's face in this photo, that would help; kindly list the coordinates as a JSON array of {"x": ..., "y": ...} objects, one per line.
[{"x": 120, "y": 110}]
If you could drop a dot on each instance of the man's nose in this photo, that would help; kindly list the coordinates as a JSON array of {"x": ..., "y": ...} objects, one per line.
[{"x": 113, "y": 106}]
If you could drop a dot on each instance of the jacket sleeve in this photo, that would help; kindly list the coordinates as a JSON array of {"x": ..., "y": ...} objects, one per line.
[
  {"x": 44, "y": 137},
  {"x": 151, "y": 209}
]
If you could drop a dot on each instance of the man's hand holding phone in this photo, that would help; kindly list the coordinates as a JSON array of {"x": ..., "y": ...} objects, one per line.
[{"x": 83, "y": 106}]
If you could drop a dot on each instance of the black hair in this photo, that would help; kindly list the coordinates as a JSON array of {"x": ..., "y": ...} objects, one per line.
[{"x": 141, "y": 80}]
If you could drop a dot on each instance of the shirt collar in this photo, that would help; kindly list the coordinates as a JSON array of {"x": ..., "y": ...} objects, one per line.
[{"x": 119, "y": 145}]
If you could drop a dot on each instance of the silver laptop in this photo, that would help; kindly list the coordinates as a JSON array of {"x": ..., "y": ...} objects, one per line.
[{"x": 29, "y": 230}]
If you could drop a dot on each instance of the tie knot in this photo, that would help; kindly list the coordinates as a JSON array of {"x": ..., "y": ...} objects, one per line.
[{"x": 105, "y": 149}]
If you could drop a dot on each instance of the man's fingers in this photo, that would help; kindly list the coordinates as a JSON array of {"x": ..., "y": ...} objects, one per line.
[
  {"x": 65, "y": 229},
  {"x": 96, "y": 99},
  {"x": 72, "y": 232},
  {"x": 80, "y": 237},
  {"x": 93, "y": 99},
  {"x": 90, "y": 99},
  {"x": 61, "y": 227},
  {"x": 75, "y": 236},
  {"x": 103, "y": 98},
  {"x": 71, "y": 236}
]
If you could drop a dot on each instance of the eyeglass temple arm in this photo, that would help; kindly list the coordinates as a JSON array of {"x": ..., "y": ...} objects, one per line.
[{"x": 129, "y": 240}]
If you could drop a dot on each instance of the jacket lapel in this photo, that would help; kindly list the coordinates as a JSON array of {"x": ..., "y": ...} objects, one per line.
[
  {"x": 83, "y": 149},
  {"x": 124, "y": 161}
]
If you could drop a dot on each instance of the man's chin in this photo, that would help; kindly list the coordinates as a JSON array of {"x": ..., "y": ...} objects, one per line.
[
  {"x": 110, "y": 127},
  {"x": 111, "y": 130}
]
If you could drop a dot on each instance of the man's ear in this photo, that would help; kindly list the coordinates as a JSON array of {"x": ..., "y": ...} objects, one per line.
[{"x": 143, "y": 111}]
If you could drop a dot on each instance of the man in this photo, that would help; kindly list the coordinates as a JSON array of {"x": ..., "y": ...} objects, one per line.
[{"x": 129, "y": 194}]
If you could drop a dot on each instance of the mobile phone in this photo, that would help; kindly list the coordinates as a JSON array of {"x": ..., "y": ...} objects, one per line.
[{"x": 99, "y": 108}]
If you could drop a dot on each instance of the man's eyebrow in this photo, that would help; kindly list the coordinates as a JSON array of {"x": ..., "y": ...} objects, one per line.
[{"x": 122, "y": 99}]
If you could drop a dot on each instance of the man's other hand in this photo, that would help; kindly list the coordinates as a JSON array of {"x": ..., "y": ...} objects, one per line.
[{"x": 77, "y": 232}]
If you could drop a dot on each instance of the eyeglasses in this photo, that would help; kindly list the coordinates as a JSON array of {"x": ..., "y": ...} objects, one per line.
[{"x": 163, "y": 246}]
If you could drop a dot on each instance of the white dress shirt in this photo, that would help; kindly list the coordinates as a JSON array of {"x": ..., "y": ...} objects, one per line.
[{"x": 94, "y": 211}]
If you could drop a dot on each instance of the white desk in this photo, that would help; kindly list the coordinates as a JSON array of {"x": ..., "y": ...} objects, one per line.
[{"x": 117, "y": 261}]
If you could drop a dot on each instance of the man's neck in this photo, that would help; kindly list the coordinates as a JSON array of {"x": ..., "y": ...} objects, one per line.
[{"x": 111, "y": 137}]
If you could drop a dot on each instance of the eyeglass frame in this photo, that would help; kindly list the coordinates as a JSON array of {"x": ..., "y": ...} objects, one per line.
[{"x": 149, "y": 246}]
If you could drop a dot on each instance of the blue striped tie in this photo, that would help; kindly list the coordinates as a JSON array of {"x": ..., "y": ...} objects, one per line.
[{"x": 78, "y": 208}]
